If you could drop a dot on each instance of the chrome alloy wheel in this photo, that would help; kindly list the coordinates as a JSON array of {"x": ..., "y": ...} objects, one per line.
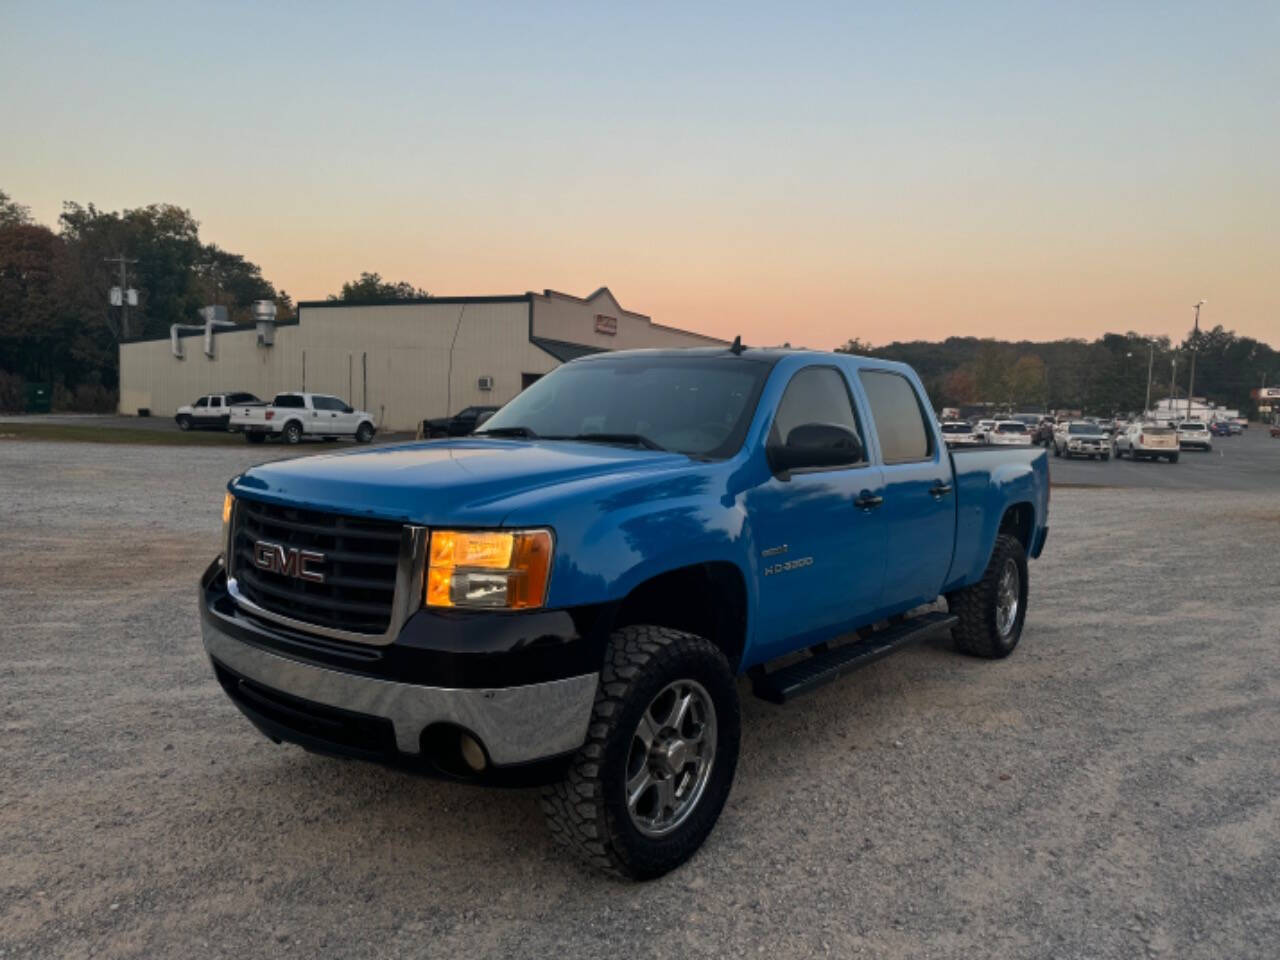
[
  {"x": 1008, "y": 598},
  {"x": 670, "y": 759}
]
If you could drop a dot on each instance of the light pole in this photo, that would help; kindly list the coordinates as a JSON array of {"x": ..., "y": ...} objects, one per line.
[
  {"x": 1151, "y": 364},
  {"x": 1195, "y": 337},
  {"x": 1173, "y": 383}
]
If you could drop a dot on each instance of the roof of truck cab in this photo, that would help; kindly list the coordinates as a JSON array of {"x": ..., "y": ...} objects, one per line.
[{"x": 770, "y": 355}]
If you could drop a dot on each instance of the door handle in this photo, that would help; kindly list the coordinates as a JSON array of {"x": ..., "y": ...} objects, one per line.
[
  {"x": 867, "y": 500},
  {"x": 939, "y": 489}
]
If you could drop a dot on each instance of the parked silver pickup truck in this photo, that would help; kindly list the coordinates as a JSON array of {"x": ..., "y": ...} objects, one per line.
[{"x": 292, "y": 416}]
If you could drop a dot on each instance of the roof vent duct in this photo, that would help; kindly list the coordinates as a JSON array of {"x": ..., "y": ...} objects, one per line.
[{"x": 264, "y": 315}]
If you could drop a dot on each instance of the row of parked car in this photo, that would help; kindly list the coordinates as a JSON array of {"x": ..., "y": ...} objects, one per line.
[{"x": 1091, "y": 438}]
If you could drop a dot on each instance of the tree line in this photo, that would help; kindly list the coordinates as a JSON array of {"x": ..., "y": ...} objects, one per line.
[
  {"x": 56, "y": 323},
  {"x": 1103, "y": 376}
]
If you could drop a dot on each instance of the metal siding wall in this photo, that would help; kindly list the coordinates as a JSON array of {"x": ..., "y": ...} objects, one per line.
[
  {"x": 558, "y": 318},
  {"x": 407, "y": 351}
]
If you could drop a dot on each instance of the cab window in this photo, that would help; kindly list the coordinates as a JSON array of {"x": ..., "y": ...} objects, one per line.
[
  {"x": 815, "y": 395},
  {"x": 202, "y": 402},
  {"x": 899, "y": 417}
]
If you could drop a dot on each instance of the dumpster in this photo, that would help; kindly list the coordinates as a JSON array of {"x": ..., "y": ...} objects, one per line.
[{"x": 39, "y": 398}]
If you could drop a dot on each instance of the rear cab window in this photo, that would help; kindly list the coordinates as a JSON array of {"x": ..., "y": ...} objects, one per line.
[
  {"x": 899, "y": 417},
  {"x": 288, "y": 400}
]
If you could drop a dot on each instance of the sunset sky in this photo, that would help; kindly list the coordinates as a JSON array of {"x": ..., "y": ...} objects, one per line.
[{"x": 801, "y": 172}]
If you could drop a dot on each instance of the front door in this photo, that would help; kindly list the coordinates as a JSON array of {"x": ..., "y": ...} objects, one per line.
[
  {"x": 818, "y": 535},
  {"x": 919, "y": 501}
]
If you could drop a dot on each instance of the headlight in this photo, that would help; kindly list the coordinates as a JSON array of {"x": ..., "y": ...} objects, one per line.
[
  {"x": 228, "y": 502},
  {"x": 488, "y": 569}
]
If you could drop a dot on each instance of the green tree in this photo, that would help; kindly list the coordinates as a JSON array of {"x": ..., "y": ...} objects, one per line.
[
  {"x": 371, "y": 288},
  {"x": 12, "y": 213}
]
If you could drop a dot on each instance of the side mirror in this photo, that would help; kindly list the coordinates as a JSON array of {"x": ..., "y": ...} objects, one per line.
[
  {"x": 816, "y": 445},
  {"x": 348, "y": 409}
]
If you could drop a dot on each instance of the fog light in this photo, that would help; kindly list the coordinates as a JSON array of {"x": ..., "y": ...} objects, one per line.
[{"x": 472, "y": 753}]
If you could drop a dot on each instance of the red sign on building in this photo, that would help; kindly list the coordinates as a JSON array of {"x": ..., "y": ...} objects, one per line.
[{"x": 607, "y": 325}]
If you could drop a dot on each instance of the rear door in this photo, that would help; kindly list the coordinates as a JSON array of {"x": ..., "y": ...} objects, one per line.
[
  {"x": 919, "y": 494},
  {"x": 819, "y": 555}
]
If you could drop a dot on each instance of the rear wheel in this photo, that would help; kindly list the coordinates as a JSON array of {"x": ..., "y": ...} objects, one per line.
[
  {"x": 993, "y": 610},
  {"x": 646, "y": 788},
  {"x": 293, "y": 432}
]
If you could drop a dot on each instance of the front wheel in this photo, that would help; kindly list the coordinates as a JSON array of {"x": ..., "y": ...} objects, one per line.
[
  {"x": 184, "y": 422},
  {"x": 364, "y": 433},
  {"x": 993, "y": 610},
  {"x": 647, "y": 786}
]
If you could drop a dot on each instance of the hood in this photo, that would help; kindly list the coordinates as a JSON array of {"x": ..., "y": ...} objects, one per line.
[{"x": 467, "y": 481}]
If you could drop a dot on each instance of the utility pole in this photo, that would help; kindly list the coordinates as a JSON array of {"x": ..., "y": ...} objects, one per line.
[
  {"x": 1173, "y": 383},
  {"x": 1195, "y": 337},
  {"x": 124, "y": 293},
  {"x": 1151, "y": 363}
]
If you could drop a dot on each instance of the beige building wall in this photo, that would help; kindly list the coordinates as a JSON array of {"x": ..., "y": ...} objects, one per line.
[
  {"x": 393, "y": 361},
  {"x": 401, "y": 362},
  {"x": 560, "y": 316}
]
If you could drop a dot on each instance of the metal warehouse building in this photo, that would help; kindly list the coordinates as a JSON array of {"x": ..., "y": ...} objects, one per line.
[{"x": 402, "y": 361}]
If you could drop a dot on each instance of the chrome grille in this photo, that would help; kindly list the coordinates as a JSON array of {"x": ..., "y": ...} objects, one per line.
[{"x": 361, "y": 560}]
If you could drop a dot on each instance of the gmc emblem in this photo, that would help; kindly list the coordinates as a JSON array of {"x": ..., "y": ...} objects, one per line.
[{"x": 293, "y": 562}]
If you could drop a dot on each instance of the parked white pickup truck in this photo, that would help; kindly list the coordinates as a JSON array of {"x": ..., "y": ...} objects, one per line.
[
  {"x": 212, "y": 411},
  {"x": 292, "y": 416}
]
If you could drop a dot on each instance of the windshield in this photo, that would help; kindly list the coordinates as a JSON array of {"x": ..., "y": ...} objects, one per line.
[
  {"x": 699, "y": 406},
  {"x": 956, "y": 428},
  {"x": 1084, "y": 429},
  {"x": 1012, "y": 427}
]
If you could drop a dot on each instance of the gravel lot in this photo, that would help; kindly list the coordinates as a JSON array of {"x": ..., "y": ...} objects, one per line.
[{"x": 1109, "y": 791}]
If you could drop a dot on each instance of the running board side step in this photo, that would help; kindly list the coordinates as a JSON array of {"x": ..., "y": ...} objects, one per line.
[{"x": 827, "y": 664}]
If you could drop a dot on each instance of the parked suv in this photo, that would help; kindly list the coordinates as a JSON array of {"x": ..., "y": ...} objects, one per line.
[
  {"x": 1147, "y": 441},
  {"x": 1081, "y": 439},
  {"x": 1194, "y": 435}
]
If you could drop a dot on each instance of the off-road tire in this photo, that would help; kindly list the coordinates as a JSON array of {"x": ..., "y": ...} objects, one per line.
[
  {"x": 292, "y": 432},
  {"x": 977, "y": 633},
  {"x": 364, "y": 433},
  {"x": 587, "y": 811},
  {"x": 184, "y": 422}
]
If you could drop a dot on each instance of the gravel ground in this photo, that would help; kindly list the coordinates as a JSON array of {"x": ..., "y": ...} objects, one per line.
[{"x": 1109, "y": 791}]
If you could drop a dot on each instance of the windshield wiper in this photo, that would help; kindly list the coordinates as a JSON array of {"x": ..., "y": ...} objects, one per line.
[
  {"x": 634, "y": 439},
  {"x": 507, "y": 432}
]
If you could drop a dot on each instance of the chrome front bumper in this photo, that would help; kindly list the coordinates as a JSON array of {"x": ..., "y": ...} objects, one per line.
[{"x": 514, "y": 724}]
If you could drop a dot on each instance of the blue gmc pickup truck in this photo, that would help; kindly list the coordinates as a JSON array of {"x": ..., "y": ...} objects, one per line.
[{"x": 567, "y": 596}]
